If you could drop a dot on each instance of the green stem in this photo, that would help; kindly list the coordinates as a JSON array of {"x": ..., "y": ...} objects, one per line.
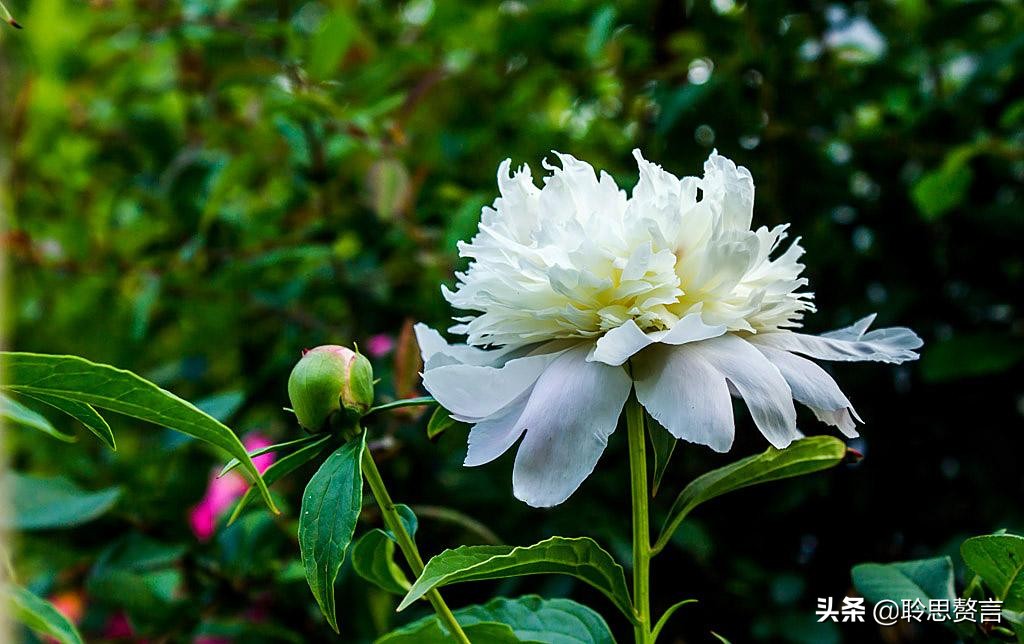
[
  {"x": 406, "y": 544},
  {"x": 641, "y": 525}
]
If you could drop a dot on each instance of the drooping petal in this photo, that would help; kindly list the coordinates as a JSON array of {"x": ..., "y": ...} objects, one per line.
[
  {"x": 621, "y": 343},
  {"x": 572, "y": 410},
  {"x": 683, "y": 392},
  {"x": 894, "y": 344},
  {"x": 813, "y": 387},
  {"x": 758, "y": 382},
  {"x": 472, "y": 391},
  {"x": 490, "y": 438}
]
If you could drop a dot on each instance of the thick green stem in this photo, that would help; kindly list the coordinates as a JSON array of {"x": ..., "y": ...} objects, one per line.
[
  {"x": 641, "y": 523},
  {"x": 406, "y": 544}
]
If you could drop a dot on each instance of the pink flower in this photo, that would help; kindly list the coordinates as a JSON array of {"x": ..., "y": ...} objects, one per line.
[
  {"x": 380, "y": 345},
  {"x": 221, "y": 493},
  {"x": 70, "y": 604}
]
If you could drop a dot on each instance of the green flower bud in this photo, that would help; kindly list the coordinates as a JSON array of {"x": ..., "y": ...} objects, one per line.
[{"x": 327, "y": 379}]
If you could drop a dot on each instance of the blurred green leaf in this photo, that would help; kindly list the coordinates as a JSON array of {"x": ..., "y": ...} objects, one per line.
[
  {"x": 965, "y": 356},
  {"x": 580, "y": 557},
  {"x": 14, "y": 412},
  {"x": 804, "y": 456},
  {"x": 531, "y": 618},
  {"x": 40, "y": 616},
  {"x": 941, "y": 190},
  {"x": 330, "y": 43},
  {"x": 330, "y": 509},
  {"x": 106, "y": 387},
  {"x": 999, "y": 560},
  {"x": 44, "y": 503}
]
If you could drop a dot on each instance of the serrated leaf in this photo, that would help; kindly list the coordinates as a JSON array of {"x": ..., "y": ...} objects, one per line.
[
  {"x": 999, "y": 560},
  {"x": 531, "y": 619},
  {"x": 40, "y": 615},
  {"x": 117, "y": 390},
  {"x": 14, "y": 412},
  {"x": 330, "y": 509},
  {"x": 580, "y": 557},
  {"x": 44, "y": 503},
  {"x": 922, "y": 579},
  {"x": 281, "y": 468},
  {"x": 83, "y": 413},
  {"x": 801, "y": 457},
  {"x": 373, "y": 558},
  {"x": 662, "y": 444}
]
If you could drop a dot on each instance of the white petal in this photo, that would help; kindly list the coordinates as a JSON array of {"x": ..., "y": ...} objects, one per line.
[
  {"x": 621, "y": 343},
  {"x": 684, "y": 393},
  {"x": 574, "y": 407},
  {"x": 731, "y": 188},
  {"x": 691, "y": 328},
  {"x": 854, "y": 331},
  {"x": 473, "y": 391},
  {"x": 437, "y": 352},
  {"x": 758, "y": 382},
  {"x": 893, "y": 345},
  {"x": 813, "y": 387},
  {"x": 490, "y": 438}
]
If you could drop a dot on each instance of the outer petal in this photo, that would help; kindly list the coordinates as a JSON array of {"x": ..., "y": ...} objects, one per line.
[
  {"x": 621, "y": 343},
  {"x": 574, "y": 407},
  {"x": 851, "y": 344},
  {"x": 813, "y": 387},
  {"x": 490, "y": 438},
  {"x": 437, "y": 352},
  {"x": 475, "y": 392},
  {"x": 683, "y": 392},
  {"x": 758, "y": 382}
]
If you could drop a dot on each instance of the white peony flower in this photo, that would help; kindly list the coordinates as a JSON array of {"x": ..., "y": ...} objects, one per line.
[{"x": 581, "y": 294}]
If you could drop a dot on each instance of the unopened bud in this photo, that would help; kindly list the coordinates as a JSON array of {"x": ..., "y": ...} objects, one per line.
[{"x": 327, "y": 379}]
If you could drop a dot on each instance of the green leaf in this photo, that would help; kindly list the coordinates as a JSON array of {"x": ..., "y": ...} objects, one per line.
[
  {"x": 667, "y": 615},
  {"x": 373, "y": 558},
  {"x": 663, "y": 444},
  {"x": 922, "y": 579},
  {"x": 580, "y": 557},
  {"x": 281, "y": 468},
  {"x": 14, "y": 412},
  {"x": 81, "y": 412},
  {"x": 141, "y": 576},
  {"x": 440, "y": 422},
  {"x": 999, "y": 560},
  {"x": 428, "y": 631},
  {"x": 531, "y": 619},
  {"x": 330, "y": 43},
  {"x": 943, "y": 189},
  {"x": 40, "y": 616},
  {"x": 106, "y": 387},
  {"x": 330, "y": 510},
  {"x": 278, "y": 447},
  {"x": 40, "y": 503},
  {"x": 801, "y": 457}
]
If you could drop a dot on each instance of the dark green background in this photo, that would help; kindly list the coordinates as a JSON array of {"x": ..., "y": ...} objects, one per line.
[{"x": 199, "y": 190}]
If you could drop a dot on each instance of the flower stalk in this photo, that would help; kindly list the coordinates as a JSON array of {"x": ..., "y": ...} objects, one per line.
[
  {"x": 406, "y": 544},
  {"x": 641, "y": 521}
]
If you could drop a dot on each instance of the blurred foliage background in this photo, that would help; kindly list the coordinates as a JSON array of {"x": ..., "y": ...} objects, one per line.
[{"x": 198, "y": 190}]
